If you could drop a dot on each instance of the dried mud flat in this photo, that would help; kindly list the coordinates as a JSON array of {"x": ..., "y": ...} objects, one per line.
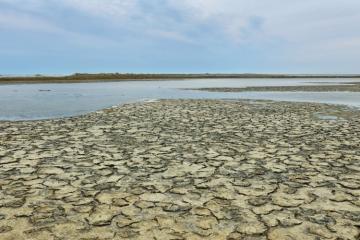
[{"x": 192, "y": 169}]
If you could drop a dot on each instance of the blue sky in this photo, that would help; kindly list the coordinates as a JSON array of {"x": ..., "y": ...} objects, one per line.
[{"x": 265, "y": 36}]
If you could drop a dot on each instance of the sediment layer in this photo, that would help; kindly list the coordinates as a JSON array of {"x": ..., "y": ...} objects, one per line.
[
  {"x": 341, "y": 87},
  {"x": 191, "y": 169}
]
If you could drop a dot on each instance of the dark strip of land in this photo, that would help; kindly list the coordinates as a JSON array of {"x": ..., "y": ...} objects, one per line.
[{"x": 84, "y": 77}]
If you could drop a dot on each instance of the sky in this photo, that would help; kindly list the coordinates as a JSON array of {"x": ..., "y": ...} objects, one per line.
[{"x": 176, "y": 36}]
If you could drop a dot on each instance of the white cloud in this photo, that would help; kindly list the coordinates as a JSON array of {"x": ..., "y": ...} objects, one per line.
[
  {"x": 103, "y": 8},
  {"x": 15, "y": 21},
  {"x": 171, "y": 35},
  {"x": 299, "y": 23},
  {"x": 25, "y": 4},
  {"x": 21, "y": 21},
  {"x": 302, "y": 20}
]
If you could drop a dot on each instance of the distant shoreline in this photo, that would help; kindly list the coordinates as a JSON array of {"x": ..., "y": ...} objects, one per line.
[
  {"x": 102, "y": 77},
  {"x": 340, "y": 87}
]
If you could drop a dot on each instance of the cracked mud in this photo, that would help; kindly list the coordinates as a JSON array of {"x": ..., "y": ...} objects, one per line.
[{"x": 184, "y": 170}]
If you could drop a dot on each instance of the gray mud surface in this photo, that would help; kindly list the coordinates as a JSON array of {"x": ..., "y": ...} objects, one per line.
[{"x": 345, "y": 87}]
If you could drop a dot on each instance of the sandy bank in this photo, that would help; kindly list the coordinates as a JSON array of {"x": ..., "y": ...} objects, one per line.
[{"x": 344, "y": 87}]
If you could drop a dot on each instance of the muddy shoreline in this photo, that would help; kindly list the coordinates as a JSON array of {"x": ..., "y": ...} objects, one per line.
[
  {"x": 184, "y": 169},
  {"x": 343, "y": 87}
]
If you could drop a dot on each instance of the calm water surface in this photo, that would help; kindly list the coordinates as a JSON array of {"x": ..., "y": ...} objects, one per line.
[{"x": 42, "y": 101}]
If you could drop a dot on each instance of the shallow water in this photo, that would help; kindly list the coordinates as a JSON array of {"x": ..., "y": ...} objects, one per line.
[
  {"x": 327, "y": 117},
  {"x": 42, "y": 101}
]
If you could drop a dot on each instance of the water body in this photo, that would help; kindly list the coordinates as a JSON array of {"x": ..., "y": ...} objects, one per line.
[{"x": 44, "y": 101}]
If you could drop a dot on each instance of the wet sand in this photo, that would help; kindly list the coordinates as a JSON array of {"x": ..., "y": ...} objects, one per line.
[
  {"x": 184, "y": 169},
  {"x": 341, "y": 87}
]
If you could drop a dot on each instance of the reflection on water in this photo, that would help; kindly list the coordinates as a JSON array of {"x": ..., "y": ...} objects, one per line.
[
  {"x": 327, "y": 117},
  {"x": 39, "y": 101}
]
